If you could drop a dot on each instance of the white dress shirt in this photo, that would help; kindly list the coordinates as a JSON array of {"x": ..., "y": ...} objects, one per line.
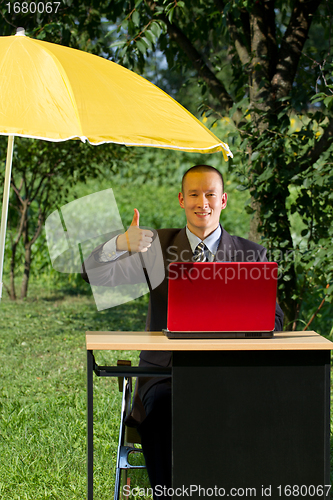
[{"x": 212, "y": 242}]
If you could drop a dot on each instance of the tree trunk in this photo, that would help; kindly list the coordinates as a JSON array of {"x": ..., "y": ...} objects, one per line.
[
  {"x": 12, "y": 291},
  {"x": 27, "y": 256},
  {"x": 254, "y": 234},
  {"x": 26, "y": 273},
  {"x": 28, "y": 243}
]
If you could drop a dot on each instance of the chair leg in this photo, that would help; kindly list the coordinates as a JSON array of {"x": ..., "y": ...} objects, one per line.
[
  {"x": 125, "y": 481},
  {"x": 121, "y": 439},
  {"x": 123, "y": 451},
  {"x": 117, "y": 484}
]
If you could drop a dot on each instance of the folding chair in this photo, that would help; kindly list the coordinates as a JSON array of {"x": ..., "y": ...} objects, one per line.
[{"x": 131, "y": 414}]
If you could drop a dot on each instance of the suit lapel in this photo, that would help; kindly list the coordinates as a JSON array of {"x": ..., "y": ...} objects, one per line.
[
  {"x": 182, "y": 247},
  {"x": 226, "y": 248}
]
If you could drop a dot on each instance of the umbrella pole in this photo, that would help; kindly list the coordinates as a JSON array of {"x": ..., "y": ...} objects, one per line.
[{"x": 5, "y": 203}]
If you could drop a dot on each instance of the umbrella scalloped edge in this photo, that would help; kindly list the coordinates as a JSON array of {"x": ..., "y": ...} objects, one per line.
[{"x": 219, "y": 147}]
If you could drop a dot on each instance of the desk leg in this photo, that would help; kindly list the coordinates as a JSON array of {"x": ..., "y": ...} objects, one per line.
[{"x": 90, "y": 423}]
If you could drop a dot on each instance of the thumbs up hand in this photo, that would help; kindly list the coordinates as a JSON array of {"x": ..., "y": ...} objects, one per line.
[
  {"x": 136, "y": 217},
  {"x": 135, "y": 239}
]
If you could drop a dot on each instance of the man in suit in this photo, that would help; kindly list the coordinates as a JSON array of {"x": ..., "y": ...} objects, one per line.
[{"x": 203, "y": 239}]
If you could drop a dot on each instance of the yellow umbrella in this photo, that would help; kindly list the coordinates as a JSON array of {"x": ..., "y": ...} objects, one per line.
[{"x": 55, "y": 93}]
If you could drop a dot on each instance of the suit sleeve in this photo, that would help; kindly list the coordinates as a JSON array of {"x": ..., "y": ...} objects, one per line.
[
  {"x": 278, "y": 318},
  {"x": 128, "y": 269}
]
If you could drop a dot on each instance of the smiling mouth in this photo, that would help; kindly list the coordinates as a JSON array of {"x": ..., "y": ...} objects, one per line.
[{"x": 202, "y": 214}]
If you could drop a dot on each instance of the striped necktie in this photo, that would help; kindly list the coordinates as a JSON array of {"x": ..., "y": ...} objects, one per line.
[{"x": 199, "y": 252}]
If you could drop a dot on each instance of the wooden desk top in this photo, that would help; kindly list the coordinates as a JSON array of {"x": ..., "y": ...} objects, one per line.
[{"x": 157, "y": 341}]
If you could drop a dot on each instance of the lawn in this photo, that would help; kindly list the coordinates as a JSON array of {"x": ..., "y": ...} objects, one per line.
[{"x": 43, "y": 394}]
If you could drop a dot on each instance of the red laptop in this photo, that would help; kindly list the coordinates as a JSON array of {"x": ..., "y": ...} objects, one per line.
[{"x": 221, "y": 299}]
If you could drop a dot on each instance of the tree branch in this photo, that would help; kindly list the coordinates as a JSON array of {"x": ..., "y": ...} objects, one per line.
[
  {"x": 37, "y": 230},
  {"x": 315, "y": 313},
  {"x": 292, "y": 46},
  {"x": 25, "y": 183},
  {"x": 313, "y": 154},
  {"x": 243, "y": 48},
  {"x": 217, "y": 88},
  {"x": 6, "y": 288},
  {"x": 320, "y": 146},
  {"x": 271, "y": 36},
  {"x": 34, "y": 196},
  {"x": 17, "y": 190},
  {"x": 21, "y": 224},
  {"x": 263, "y": 48}
]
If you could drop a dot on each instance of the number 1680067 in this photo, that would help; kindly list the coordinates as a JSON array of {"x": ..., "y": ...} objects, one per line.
[{"x": 33, "y": 7}]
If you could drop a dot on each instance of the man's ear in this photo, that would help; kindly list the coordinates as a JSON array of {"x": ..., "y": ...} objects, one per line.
[
  {"x": 224, "y": 200},
  {"x": 181, "y": 199}
]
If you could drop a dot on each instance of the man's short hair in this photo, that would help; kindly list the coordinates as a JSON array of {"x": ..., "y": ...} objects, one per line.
[{"x": 202, "y": 168}]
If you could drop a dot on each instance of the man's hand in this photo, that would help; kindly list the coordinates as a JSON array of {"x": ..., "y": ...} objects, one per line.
[{"x": 135, "y": 239}]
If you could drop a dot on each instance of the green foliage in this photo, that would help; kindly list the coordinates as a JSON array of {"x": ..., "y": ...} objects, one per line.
[
  {"x": 264, "y": 89},
  {"x": 151, "y": 182},
  {"x": 257, "y": 63},
  {"x": 74, "y": 23},
  {"x": 44, "y": 175},
  {"x": 279, "y": 170}
]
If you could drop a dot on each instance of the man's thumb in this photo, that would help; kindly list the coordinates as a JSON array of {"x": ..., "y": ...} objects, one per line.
[{"x": 136, "y": 217}]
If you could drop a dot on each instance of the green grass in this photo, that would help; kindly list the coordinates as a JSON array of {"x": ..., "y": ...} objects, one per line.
[{"x": 43, "y": 396}]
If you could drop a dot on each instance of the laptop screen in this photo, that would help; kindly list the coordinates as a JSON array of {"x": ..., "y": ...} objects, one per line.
[{"x": 222, "y": 296}]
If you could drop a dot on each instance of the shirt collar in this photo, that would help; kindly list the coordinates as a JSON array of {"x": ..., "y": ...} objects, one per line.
[{"x": 211, "y": 242}]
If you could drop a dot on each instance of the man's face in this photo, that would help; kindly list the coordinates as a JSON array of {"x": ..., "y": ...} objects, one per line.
[{"x": 203, "y": 200}]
